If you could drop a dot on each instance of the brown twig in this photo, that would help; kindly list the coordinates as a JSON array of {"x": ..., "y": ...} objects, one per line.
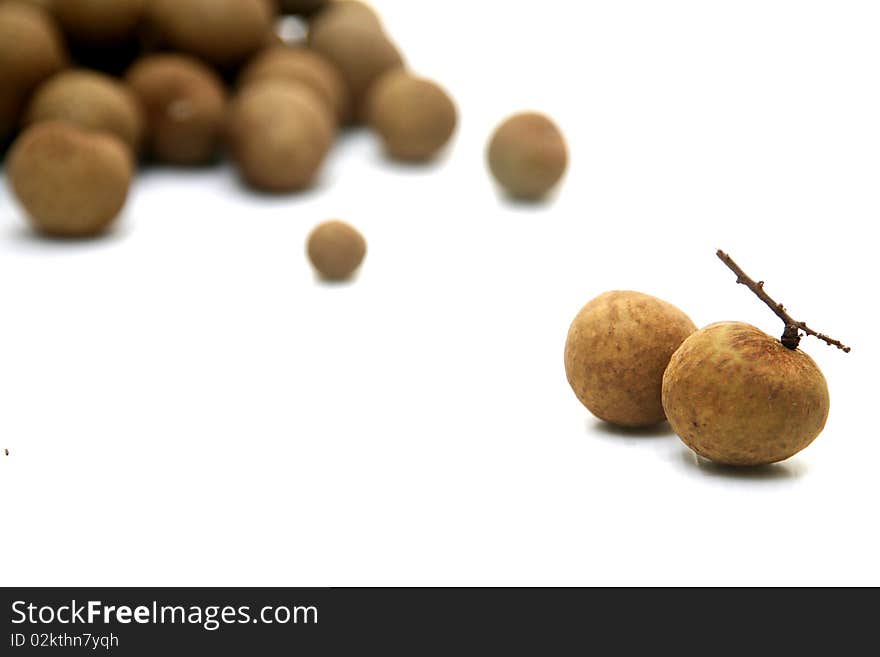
[{"x": 791, "y": 337}]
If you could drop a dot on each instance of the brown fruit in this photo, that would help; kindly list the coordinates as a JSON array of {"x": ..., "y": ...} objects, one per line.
[
  {"x": 336, "y": 250},
  {"x": 222, "y": 32},
  {"x": 99, "y": 22},
  {"x": 185, "y": 107},
  {"x": 298, "y": 64},
  {"x": 617, "y": 349},
  {"x": 72, "y": 182},
  {"x": 92, "y": 100},
  {"x": 414, "y": 117},
  {"x": 737, "y": 396},
  {"x": 279, "y": 135},
  {"x": 528, "y": 156},
  {"x": 362, "y": 55},
  {"x": 31, "y": 50}
]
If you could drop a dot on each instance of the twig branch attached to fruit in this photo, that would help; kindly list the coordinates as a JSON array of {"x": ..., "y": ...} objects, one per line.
[{"x": 791, "y": 337}]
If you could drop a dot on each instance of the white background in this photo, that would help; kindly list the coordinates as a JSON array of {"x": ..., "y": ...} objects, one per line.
[{"x": 186, "y": 405}]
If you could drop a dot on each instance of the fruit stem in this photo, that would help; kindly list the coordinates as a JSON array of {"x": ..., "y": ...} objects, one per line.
[{"x": 791, "y": 337}]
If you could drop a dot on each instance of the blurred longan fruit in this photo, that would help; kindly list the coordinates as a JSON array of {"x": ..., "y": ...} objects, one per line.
[
  {"x": 99, "y": 22},
  {"x": 414, "y": 117},
  {"x": 71, "y": 182},
  {"x": 361, "y": 54},
  {"x": 92, "y": 100},
  {"x": 528, "y": 156},
  {"x": 300, "y": 64},
  {"x": 279, "y": 134},
  {"x": 31, "y": 50},
  {"x": 336, "y": 250},
  {"x": 185, "y": 107},
  {"x": 222, "y": 32},
  {"x": 617, "y": 349}
]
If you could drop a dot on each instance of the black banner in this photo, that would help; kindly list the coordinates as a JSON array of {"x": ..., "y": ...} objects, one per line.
[{"x": 415, "y": 621}]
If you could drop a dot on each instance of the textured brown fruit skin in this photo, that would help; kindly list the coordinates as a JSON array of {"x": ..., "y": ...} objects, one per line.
[
  {"x": 737, "y": 396},
  {"x": 222, "y": 32},
  {"x": 617, "y": 349},
  {"x": 31, "y": 50},
  {"x": 414, "y": 117},
  {"x": 92, "y": 100},
  {"x": 72, "y": 182},
  {"x": 185, "y": 106},
  {"x": 279, "y": 134},
  {"x": 336, "y": 250},
  {"x": 528, "y": 156},
  {"x": 99, "y": 22},
  {"x": 361, "y": 53},
  {"x": 298, "y": 64}
]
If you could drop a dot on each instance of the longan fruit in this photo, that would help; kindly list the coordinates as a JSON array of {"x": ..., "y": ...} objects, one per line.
[
  {"x": 92, "y": 100},
  {"x": 528, "y": 156},
  {"x": 279, "y": 133},
  {"x": 31, "y": 50},
  {"x": 414, "y": 117},
  {"x": 617, "y": 349},
  {"x": 299, "y": 64},
  {"x": 99, "y": 22},
  {"x": 737, "y": 396},
  {"x": 185, "y": 107},
  {"x": 361, "y": 54},
  {"x": 336, "y": 250},
  {"x": 72, "y": 182},
  {"x": 222, "y": 32}
]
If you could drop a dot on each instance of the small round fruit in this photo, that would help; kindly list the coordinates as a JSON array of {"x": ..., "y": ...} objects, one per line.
[
  {"x": 72, "y": 182},
  {"x": 31, "y": 50},
  {"x": 336, "y": 250},
  {"x": 92, "y": 100},
  {"x": 528, "y": 156},
  {"x": 185, "y": 106},
  {"x": 617, "y": 349},
  {"x": 362, "y": 55},
  {"x": 279, "y": 135},
  {"x": 303, "y": 65},
  {"x": 222, "y": 32},
  {"x": 737, "y": 396},
  {"x": 414, "y": 117},
  {"x": 99, "y": 22}
]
